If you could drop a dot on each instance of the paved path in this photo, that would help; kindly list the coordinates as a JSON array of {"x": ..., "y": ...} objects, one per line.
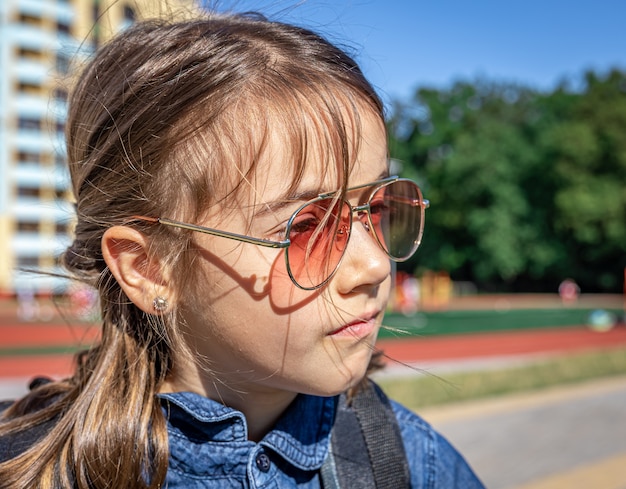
[{"x": 561, "y": 438}]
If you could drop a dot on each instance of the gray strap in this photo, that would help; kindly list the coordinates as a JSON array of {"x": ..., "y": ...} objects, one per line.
[
  {"x": 366, "y": 447},
  {"x": 328, "y": 472},
  {"x": 382, "y": 438}
]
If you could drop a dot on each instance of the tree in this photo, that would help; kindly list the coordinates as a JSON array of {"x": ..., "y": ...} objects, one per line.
[{"x": 526, "y": 188}]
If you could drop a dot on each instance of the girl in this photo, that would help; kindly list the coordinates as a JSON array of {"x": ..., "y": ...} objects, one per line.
[{"x": 236, "y": 215}]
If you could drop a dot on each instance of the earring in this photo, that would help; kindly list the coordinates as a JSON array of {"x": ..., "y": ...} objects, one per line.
[{"x": 159, "y": 303}]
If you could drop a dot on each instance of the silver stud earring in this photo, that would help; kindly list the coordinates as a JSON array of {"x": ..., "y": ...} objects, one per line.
[{"x": 159, "y": 303}]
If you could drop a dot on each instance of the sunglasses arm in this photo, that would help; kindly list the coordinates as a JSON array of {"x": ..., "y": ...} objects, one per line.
[{"x": 216, "y": 232}]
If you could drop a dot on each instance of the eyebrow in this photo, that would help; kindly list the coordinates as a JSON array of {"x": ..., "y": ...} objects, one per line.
[
  {"x": 278, "y": 205},
  {"x": 303, "y": 196}
]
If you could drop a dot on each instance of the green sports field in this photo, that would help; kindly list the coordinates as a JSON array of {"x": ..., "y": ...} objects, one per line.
[{"x": 484, "y": 320}]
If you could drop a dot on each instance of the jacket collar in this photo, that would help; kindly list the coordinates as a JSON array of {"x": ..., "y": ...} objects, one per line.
[{"x": 195, "y": 419}]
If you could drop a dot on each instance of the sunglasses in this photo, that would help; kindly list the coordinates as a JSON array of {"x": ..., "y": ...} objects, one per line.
[{"x": 317, "y": 233}]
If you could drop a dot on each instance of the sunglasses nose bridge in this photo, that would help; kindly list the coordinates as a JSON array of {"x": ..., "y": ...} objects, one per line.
[
  {"x": 363, "y": 215},
  {"x": 360, "y": 208},
  {"x": 362, "y": 211}
]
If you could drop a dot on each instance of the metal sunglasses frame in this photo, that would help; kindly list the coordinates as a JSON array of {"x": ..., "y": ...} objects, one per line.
[{"x": 285, "y": 243}]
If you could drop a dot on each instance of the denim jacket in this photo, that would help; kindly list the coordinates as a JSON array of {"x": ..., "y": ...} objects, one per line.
[{"x": 209, "y": 447}]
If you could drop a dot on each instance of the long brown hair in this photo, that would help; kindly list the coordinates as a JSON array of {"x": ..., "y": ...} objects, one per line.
[{"x": 166, "y": 119}]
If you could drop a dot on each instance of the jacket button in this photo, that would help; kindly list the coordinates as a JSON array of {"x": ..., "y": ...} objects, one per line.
[{"x": 263, "y": 462}]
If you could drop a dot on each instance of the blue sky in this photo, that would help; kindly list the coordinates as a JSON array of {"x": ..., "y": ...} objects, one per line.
[{"x": 403, "y": 44}]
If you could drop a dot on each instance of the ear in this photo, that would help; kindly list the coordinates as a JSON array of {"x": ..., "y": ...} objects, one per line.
[{"x": 140, "y": 274}]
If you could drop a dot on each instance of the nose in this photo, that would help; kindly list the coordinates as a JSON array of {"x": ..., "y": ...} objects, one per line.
[{"x": 365, "y": 265}]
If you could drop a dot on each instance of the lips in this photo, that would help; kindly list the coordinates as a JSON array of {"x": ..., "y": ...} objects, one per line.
[{"x": 358, "y": 328}]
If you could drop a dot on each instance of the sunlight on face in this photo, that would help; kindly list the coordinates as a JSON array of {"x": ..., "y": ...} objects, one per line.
[{"x": 257, "y": 331}]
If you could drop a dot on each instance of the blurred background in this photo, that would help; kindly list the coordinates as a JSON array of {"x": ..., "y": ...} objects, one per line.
[{"x": 512, "y": 118}]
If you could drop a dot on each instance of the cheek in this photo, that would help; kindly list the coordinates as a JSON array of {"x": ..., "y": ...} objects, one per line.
[
  {"x": 285, "y": 296},
  {"x": 243, "y": 267}
]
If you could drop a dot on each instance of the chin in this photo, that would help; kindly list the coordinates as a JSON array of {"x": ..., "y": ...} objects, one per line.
[{"x": 343, "y": 382}]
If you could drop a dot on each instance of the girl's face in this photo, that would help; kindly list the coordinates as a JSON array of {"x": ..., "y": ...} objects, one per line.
[{"x": 250, "y": 326}]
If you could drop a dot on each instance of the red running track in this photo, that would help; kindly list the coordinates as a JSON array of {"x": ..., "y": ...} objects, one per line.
[
  {"x": 408, "y": 350},
  {"x": 31, "y": 336},
  {"x": 503, "y": 343}
]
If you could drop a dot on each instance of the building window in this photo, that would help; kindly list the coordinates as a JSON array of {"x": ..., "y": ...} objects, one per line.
[
  {"x": 27, "y": 261},
  {"x": 27, "y": 157},
  {"x": 28, "y": 88},
  {"x": 31, "y": 54},
  {"x": 60, "y": 94},
  {"x": 59, "y": 159},
  {"x": 28, "y": 227},
  {"x": 62, "y": 228},
  {"x": 29, "y": 123},
  {"x": 28, "y": 192},
  {"x": 62, "y": 64},
  {"x": 63, "y": 28},
  {"x": 29, "y": 19}
]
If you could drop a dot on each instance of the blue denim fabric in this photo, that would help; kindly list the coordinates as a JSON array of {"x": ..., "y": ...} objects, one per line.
[
  {"x": 209, "y": 447},
  {"x": 433, "y": 462}
]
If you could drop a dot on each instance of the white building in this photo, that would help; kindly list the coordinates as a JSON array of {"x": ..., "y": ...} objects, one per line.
[{"x": 39, "y": 41}]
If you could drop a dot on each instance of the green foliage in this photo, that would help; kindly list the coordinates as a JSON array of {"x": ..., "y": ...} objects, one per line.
[{"x": 526, "y": 188}]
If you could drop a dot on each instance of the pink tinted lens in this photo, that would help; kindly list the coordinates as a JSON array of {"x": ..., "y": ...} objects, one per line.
[
  {"x": 319, "y": 235},
  {"x": 397, "y": 214}
]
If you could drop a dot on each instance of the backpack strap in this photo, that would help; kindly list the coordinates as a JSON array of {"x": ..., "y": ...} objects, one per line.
[
  {"x": 366, "y": 445},
  {"x": 16, "y": 443}
]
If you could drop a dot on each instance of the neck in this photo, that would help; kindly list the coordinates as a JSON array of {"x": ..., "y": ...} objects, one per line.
[
  {"x": 261, "y": 409},
  {"x": 261, "y": 406}
]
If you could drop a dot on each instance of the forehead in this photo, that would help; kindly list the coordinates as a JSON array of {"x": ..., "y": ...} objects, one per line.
[{"x": 321, "y": 157}]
